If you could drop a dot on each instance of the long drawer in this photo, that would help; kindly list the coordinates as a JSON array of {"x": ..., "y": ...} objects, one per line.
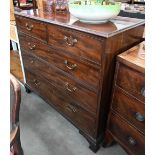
[
  {"x": 83, "y": 119},
  {"x": 79, "y": 70},
  {"x": 32, "y": 27},
  {"x": 85, "y": 97},
  {"x": 127, "y": 135},
  {"x": 77, "y": 43},
  {"x": 129, "y": 108},
  {"x": 131, "y": 81}
]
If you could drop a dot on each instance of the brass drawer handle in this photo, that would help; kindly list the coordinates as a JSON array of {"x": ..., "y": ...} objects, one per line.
[
  {"x": 140, "y": 117},
  {"x": 71, "y": 108},
  {"x": 31, "y": 47},
  {"x": 32, "y": 61},
  {"x": 36, "y": 82},
  {"x": 68, "y": 108},
  {"x": 71, "y": 67},
  {"x": 29, "y": 27},
  {"x": 70, "y": 40},
  {"x": 69, "y": 89},
  {"x": 132, "y": 141},
  {"x": 142, "y": 91}
]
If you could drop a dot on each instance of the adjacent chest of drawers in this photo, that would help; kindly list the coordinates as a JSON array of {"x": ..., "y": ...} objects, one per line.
[
  {"x": 126, "y": 122},
  {"x": 72, "y": 70}
]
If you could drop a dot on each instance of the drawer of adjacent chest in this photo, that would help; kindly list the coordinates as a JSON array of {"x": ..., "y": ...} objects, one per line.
[
  {"x": 85, "y": 97},
  {"x": 77, "y": 43},
  {"x": 87, "y": 73},
  {"x": 129, "y": 108},
  {"x": 132, "y": 140},
  {"x": 31, "y": 27},
  {"x": 131, "y": 81},
  {"x": 81, "y": 118}
]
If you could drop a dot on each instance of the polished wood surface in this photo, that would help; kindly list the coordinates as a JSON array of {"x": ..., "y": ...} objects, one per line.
[
  {"x": 131, "y": 81},
  {"x": 132, "y": 140},
  {"x": 15, "y": 66},
  {"x": 127, "y": 113},
  {"x": 61, "y": 60},
  {"x": 128, "y": 106},
  {"x": 77, "y": 92},
  {"x": 46, "y": 14},
  {"x": 68, "y": 107},
  {"x": 13, "y": 35},
  {"x": 15, "y": 131},
  {"x": 132, "y": 59},
  {"x": 12, "y": 17},
  {"x": 74, "y": 42},
  {"x": 31, "y": 27},
  {"x": 77, "y": 61}
]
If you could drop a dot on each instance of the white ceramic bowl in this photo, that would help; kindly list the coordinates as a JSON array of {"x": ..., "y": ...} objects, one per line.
[{"x": 94, "y": 13}]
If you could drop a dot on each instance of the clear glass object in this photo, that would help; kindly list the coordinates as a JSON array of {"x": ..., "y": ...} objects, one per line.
[{"x": 61, "y": 5}]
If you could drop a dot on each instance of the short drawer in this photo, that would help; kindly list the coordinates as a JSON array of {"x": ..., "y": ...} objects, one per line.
[
  {"x": 82, "y": 71},
  {"x": 31, "y": 27},
  {"x": 131, "y": 81},
  {"x": 85, "y": 97},
  {"x": 129, "y": 108},
  {"x": 81, "y": 118},
  {"x": 80, "y": 44},
  {"x": 132, "y": 140}
]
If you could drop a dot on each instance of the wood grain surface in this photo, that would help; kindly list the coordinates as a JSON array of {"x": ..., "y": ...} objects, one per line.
[{"x": 55, "y": 38}]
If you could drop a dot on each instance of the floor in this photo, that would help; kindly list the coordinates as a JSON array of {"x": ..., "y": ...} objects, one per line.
[{"x": 45, "y": 132}]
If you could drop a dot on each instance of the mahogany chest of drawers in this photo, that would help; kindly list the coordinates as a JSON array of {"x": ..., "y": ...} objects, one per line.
[
  {"x": 126, "y": 122},
  {"x": 71, "y": 66}
]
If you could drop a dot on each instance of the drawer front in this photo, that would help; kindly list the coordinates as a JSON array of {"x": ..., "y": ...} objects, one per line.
[
  {"x": 131, "y": 81},
  {"x": 126, "y": 135},
  {"x": 31, "y": 27},
  {"x": 81, "y": 118},
  {"x": 80, "y": 94},
  {"x": 77, "y": 43},
  {"x": 130, "y": 108},
  {"x": 80, "y": 70}
]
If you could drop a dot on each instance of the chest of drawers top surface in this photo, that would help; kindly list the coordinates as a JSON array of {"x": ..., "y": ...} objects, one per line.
[
  {"x": 132, "y": 59},
  {"x": 113, "y": 27}
]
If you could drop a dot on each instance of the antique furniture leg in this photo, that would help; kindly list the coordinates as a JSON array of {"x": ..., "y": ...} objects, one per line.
[
  {"x": 27, "y": 89},
  {"x": 93, "y": 145},
  {"x": 108, "y": 140}
]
